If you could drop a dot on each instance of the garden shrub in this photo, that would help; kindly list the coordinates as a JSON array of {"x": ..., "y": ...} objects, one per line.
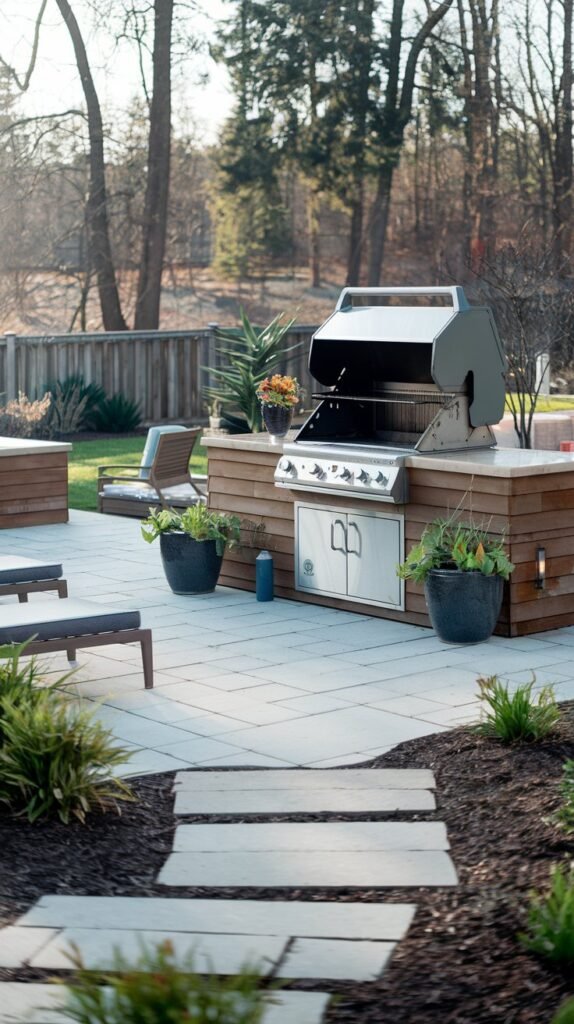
[
  {"x": 512, "y": 717},
  {"x": 565, "y": 815},
  {"x": 73, "y": 404},
  {"x": 23, "y": 418},
  {"x": 551, "y": 918},
  {"x": 116, "y": 415},
  {"x": 55, "y": 760},
  {"x": 159, "y": 990}
]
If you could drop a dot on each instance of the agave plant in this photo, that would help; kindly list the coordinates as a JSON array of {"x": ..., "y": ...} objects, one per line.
[{"x": 249, "y": 355}]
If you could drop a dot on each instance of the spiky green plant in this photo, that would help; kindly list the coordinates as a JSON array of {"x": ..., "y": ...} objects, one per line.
[
  {"x": 517, "y": 716},
  {"x": 157, "y": 989},
  {"x": 565, "y": 1013},
  {"x": 249, "y": 354},
  {"x": 550, "y": 923},
  {"x": 56, "y": 761},
  {"x": 116, "y": 415},
  {"x": 20, "y": 684},
  {"x": 197, "y": 521}
]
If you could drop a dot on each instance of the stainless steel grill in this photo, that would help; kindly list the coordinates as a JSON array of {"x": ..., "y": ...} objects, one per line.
[{"x": 396, "y": 379}]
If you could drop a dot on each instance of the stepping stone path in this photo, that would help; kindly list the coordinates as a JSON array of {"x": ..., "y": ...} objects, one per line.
[{"x": 289, "y": 940}]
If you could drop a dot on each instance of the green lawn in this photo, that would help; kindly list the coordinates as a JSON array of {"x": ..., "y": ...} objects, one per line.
[
  {"x": 554, "y": 403},
  {"x": 86, "y": 456}
]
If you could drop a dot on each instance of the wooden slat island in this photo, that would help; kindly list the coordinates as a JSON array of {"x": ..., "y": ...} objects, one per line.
[
  {"x": 33, "y": 482},
  {"x": 527, "y": 495}
]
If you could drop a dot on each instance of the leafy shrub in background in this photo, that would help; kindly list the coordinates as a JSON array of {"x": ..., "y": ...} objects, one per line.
[
  {"x": 73, "y": 404},
  {"x": 23, "y": 418},
  {"x": 159, "y": 990},
  {"x": 512, "y": 717},
  {"x": 565, "y": 815},
  {"x": 116, "y": 415},
  {"x": 551, "y": 918},
  {"x": 565, "y": 1014},
  {"x": 249, "y": 354}
]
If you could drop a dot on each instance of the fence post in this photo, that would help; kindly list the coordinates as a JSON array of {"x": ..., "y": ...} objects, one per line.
[
  {"x": 11, "y": 381},
  {"x": 209, "y": 355}
]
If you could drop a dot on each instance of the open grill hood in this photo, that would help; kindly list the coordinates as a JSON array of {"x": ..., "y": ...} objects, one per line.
[{"x": 422, "y": 378}]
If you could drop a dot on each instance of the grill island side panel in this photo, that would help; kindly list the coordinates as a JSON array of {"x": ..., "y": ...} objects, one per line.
[{"x": 532, "y": 510}]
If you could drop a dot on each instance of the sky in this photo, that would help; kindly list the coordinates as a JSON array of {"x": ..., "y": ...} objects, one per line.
[{"x": 55, "y": 85}]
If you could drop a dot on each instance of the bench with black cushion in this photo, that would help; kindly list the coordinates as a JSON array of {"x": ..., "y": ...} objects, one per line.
[
  {"x": 71, "y": 624},
  {"x": 23, "y": 576}
]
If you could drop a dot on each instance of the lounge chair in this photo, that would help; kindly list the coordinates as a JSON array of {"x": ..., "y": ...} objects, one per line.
[
  {"x": 162, "y": 480},
  {"x": 23, "y": 576},
  {"x": 68, "y": 625}
]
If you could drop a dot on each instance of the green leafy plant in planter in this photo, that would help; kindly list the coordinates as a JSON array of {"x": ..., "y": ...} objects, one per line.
[
  {"x": 157, "y": 989},
  {"x": 564, "y": 817},
  {"x": 462, "y": 568},
  {"x": 192, "y": 545},
  {"x": 249, "y": 354}
]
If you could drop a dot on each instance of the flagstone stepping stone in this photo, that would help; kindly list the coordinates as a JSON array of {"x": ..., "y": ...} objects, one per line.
[
  {"x": 303, "y": 869},
  {"x": 335, "y": 959},
  {"x": 387, "y": 921},
  {"x": 298, "y": 791},
  {"x": 39, "y": 1004},
  {"x": 329, "y": 836}
]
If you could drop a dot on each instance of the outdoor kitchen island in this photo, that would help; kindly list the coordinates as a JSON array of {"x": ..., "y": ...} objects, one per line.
[
  {"x": 327, "y": 545},
  {"x": 33, "y": 482}
]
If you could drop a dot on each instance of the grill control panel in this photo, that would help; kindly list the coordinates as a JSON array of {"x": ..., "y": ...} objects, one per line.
[{"x": 379, "y": 478}]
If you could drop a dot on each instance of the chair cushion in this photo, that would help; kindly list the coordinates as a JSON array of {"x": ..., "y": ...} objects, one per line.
[
  {"x": 52, "y": 620},
  {"x": 14, "y": 569},
  {"x": 152, "y": 441},
  {"x": 143, "y": 492}
]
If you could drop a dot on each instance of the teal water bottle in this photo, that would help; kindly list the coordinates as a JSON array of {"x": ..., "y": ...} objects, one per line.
[{"x": 264, "y": 576}]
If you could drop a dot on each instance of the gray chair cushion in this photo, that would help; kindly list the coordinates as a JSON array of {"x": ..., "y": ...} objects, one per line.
[
  {"x": 14, "y": 569},
  {"x": 52, "y": 620},
  {"x": 146, "y": 494}
]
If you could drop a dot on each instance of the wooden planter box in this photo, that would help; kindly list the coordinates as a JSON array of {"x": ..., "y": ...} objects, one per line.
[{"x": 33, "y": 482}]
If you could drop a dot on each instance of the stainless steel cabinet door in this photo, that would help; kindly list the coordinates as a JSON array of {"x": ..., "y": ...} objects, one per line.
[
  {"x": 321, "y": 555},
  {"x": 374, "y": 550}
]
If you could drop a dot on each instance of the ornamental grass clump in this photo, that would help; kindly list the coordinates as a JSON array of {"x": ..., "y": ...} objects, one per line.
[
  {"x": 518, "y": 716},
  {"x": 55, "y": 760},
  {"x": 565, "y": 1014},
  {"x": 159, "y": 990},
  {"x": 550, "y": 923},
  {"x": 564, "y": 816}
]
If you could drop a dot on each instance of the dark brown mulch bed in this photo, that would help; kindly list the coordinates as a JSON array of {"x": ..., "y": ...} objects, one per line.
[{"x": 460, "y": 963}]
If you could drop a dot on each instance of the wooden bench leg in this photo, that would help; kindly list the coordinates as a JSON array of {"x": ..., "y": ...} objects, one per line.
[
  {"x": 62, "y": 588},
  {"x": 147, "y": 658},
  {"x": 71, "y": 655},
  {"x": 23, "y": 598}
]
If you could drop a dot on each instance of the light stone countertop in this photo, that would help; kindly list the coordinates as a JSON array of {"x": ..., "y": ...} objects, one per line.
[
  {"x": 503, "y": 462},
  {"x": 23, "y": 446}
]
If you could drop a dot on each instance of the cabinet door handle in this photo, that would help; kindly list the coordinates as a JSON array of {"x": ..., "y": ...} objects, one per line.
[
  {"x": 334, "y": 523},
  {"x": 359, "y": 550}
]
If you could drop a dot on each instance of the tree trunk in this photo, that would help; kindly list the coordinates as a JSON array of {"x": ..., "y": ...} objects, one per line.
[
  {"x": 313, "y": 204},
  {"x": 379, "y": 223},
  {"x": 563, "y": 157},
  {"x": 355, "y": 241},
  {"x": 97, "y": 205},
  {"x": 158, "y": 168}
]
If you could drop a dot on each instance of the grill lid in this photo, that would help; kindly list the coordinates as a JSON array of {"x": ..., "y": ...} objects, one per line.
[{"x": 455, "y": 347}]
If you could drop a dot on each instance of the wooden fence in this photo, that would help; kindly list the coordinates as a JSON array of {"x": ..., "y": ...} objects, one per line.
[{"x": 166, "y": 372}]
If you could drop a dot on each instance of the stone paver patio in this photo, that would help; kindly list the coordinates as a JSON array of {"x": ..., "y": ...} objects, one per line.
[{"x": 278, "y": 684}]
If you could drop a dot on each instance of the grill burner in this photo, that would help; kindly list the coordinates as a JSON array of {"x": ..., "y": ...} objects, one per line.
[{"x": 399, "y": 379}]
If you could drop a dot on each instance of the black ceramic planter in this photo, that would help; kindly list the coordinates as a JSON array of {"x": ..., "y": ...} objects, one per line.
[
  {"x": 277, "y": 419},
  {"x": 463, "y": 606},
  {"x": 191, "y": 566}
]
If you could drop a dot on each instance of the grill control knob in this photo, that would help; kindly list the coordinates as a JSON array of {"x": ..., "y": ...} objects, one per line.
[
  {"x": 317, "y": 470},
  {"x": 345, "y": 473},
  {"x": 286, "y": 465},
  {"x": 364, "y": 477},
  {"x": 382, "y": 479}
]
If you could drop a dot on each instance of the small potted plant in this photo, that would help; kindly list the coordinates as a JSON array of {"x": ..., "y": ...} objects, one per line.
[
  {"x": 463, "y": 570},
  {"x": 214, "y": 408},
  {"x": 192, "y": 545},
  {"x": 278, "y": 396}
]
